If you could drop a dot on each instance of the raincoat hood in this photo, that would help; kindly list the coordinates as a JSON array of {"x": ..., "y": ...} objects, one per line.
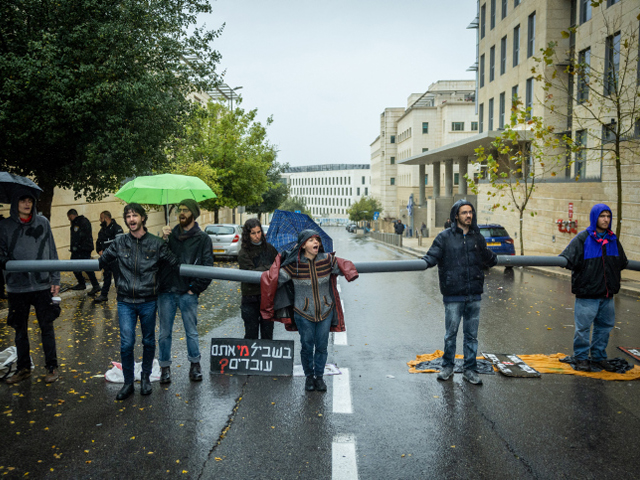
[
  {"x": 454, "y": 211},
  {"x": 596, "y": 210},
  {"x": 294, "y": 254},
  {"x": 14, "y": 205}
]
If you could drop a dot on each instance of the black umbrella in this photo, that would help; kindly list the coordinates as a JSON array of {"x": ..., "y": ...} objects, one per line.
[{"x": 11, "y": 184}]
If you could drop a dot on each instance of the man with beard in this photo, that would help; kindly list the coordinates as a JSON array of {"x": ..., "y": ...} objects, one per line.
[
  {"x": 109, "y": 229},
  {"x": 81, "y": 248},
  {"x": 192, "y": 247},
  {"x": 139, "y": 257}
]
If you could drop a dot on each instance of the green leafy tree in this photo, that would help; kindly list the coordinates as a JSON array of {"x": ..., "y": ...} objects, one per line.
[
  {"x": 276, "y": 194},
  {"x": 293, "y": 204},
  {"x": 597, "y": 91},
  {"x": 364, "y": 209},
  {"x": 90, "y": 91},
  {"x": 229, "y": 150},
  {"x": 527, "y": 152}
]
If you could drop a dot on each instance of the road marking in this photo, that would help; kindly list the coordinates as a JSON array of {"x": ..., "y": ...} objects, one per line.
[
  {"x": 342, "y": 392},
  {"x": 343, "y": 458}
]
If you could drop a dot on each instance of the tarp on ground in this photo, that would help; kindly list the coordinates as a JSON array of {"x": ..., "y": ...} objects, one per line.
[{"x": 542, "y": 363}]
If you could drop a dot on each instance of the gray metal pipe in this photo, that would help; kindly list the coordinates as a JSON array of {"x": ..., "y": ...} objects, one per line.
[
  {"x": 52, "y": 266},
  {"x": 531, "y": 261},
  {"x": 200, "y": 271},
  {"x": 391, "y": 266}
]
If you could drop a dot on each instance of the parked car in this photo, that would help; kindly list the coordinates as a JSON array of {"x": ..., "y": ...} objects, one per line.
[
  {"x": 225, "y": 238},
  {"x": 351, "y": 228},
  {"x": 498, "y": 240}
]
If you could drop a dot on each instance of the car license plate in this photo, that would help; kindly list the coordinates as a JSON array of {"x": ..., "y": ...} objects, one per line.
[
  {"x": 493, "y": 244},
  {"x": 218, "y": 250}
]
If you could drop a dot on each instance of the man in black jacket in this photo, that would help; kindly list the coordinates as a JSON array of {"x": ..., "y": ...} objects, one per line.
[
  {"x": 109, "y": 229},
  {"x": 81, "y": 248},
  {"x": 139, "y": 257},
  {"x": 596, "y": 258},
  {"x": 192, "y": 247},
  {"x": 461, "y": 253}
]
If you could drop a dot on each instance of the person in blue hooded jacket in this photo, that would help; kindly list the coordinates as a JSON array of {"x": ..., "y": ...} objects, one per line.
[
  {"x": 461, "y": 254},
  {"x": 596, "y": 258}
]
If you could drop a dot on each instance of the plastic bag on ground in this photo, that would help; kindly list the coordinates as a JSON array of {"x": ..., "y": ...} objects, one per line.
[{"x": 115, "y": 375}]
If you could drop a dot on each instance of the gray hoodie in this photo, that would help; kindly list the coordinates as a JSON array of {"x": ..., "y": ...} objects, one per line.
[{"x": 30, "y": 240}]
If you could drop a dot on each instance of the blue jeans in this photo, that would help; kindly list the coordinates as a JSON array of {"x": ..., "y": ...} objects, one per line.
[
  {"x": 313, "y": 335},
  {"x": 128, "y": 314},
  {"x": 168, "y": 304},
  {"x": 469, "y": 312},
  {"x": 600, "y": 313}
]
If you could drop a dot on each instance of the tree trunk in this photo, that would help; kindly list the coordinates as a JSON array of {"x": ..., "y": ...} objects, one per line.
[
  {"x": 618, "y": 190},
  {"x": 521, "y": 237},
  {"x": 46, "y": 199}
]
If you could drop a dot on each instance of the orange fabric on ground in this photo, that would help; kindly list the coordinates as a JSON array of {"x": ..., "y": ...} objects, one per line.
[{"x": 542, "y": 363}]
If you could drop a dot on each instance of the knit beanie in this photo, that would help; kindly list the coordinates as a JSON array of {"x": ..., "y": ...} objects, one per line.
[{"x": 192, "y": 205}]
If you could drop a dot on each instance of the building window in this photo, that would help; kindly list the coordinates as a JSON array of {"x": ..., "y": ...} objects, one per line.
[
  {"x": 481, "y": 117},
  {"x": 493, "y": 14},
  {"x": 393, "y": 139},
  {"x": 492, "y": 64},
  {"x": 425, "y": 127},
  {"x": 358, "y": 191},
  {"x": 611, "y": 2},
  {"x": 584, "y": 61},
  {"x": 474, "y": 126},
  {"x": 426, "y": 179},
  {"x": 393, "y": 160},
  {"x": 516, "y": 3},
  {"x": 531, "y": 34},
  {"x": 611, "y": 64},
  {"x": 529, "y": 97},
  {"x": 425, "y": 150},
  {"x": 514, "y": 96},
  {"x": 585, "y": 11},
  {"x": 503, "y": 55},
  {"x": 504, "y": 9},
  {"x": 483, "y": 19},
  {"x": 609, "y": 132},
  {"x": 490, "y": 114},
  {"x": 456, "y": 179},
  {"x": 457, "y": 126},
  {"x": 502, "y": 111},
  {"x": 481, "y": 70},
  {"x": 581, "y": 155},
  {"x": 363, "y": 180},
  {"x": 516, "y": 46},
  {"x": 366, "y": 191}
]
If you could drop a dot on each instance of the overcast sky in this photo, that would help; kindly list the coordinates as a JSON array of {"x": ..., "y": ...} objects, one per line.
[{"x": 326, "y": 69}]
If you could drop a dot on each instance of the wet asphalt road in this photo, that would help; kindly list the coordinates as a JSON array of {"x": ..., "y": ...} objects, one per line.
[{"x": 403, "y": 425}]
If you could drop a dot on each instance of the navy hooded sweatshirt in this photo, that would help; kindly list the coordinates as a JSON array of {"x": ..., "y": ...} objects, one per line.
[{"x": 595, "y": 261}]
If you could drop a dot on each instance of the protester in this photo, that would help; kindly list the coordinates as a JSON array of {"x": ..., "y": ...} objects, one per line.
[
  {"x": 109, "y": 230},
  {"x": 81, "y": 248},
  {"x": 192, "y": 247},
  {"x": 398, "y": 227},
  {"x": 596, "y": 258},
  {"x": 317, "y": 309},
  {"x": 257, "y": 255},
  {"x": 25, "y": 235},
  {"x": 447, "y": 223},
  {"x": 138, "y": 256},
  {"x": 461, "y": 253}
]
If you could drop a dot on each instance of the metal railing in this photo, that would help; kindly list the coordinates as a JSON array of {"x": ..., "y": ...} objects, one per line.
[{"x": 390, "y": 238}]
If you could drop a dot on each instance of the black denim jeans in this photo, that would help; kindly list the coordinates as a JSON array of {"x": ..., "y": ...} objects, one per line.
[
  {"x": 19, "y": 306},
  {"x": 253, "y": 322}
]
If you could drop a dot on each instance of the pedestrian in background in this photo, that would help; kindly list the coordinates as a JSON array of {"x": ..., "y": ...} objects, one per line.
[
  {"x": 81, "y": 248},
  {"x": 461, "y": 254},
  {"x": 596, "y": 258},
  {"x": 192, "y": 247},
  {"x": 256, "y": 255},
  {"x": 317, "y": 309},
  {"x": 25, "y": 235},
  {"x": 139, "y": 257},
  {"x": 399, "y": 227},
  {"x": 109, "y": 230}
]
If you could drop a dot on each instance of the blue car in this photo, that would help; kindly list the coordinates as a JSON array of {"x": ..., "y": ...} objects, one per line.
[{"x": 498, "y": 240}]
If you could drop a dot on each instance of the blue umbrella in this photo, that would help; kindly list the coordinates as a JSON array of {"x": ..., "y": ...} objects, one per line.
[{"x": 285, "y": 227}]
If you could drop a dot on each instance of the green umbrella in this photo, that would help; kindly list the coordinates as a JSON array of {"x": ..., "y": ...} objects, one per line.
[{"x": 165, "y": 189}]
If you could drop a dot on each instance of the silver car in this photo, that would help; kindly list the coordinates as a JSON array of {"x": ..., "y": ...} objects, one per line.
[{"x": 225, "y": 238}]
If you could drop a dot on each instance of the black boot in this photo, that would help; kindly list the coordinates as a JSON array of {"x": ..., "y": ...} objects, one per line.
[
  {"x": 165, "y": 377},
  {"x": 145, "y": 384},
  {"x": 320, "y": 385},
  {"x": 125, "y": 391},
  {"x": 195, "y": 375},
  {"x": 310, "y": 384}
]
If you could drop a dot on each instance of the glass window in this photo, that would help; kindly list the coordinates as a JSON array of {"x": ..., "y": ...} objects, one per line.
[
  {"x": 393, "y": 160},
  {"x": 516, "y": 3},
  {"x": 492, "y": 64},
  {"x": 219, "y": 230},
  {"x": 425, "y": 150},
  {"x": 503, "y": 55},
  {"x": 493, "y": 232},
  {"x": 502, "y": 111},
  {"x": 585, "y": 11},
  {"x": 584, "y": 61},
  {"x": 366, "y": 191},
  {"x": 481, "y": 117},
  {"x": 516, "y": 45},
  {"x": 457, "y": 126},
  {"x": 514, "y": 96},
  {"x": 581, "y": 156},
  {"x": 393, "y": 139},
  {"x": 490, "y": 114},
  {"x": 483, "y": 19},
  {"x": 425, "y": 127},
  {"x": 481, "y": 70},
  {"x": 474, "y": 126},
  {"x": 611, "y": 64},
  {"x": 531, "y": 34},
  {"x": 363, "y": 180},
  {"x": 493, "y": 14},
  {"x": 504, "y": 9},
  {"x": 529, "y": 97},
  {"x": 456, "y": 179}
]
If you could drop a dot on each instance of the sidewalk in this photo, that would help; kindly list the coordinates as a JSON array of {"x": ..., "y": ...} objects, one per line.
[{"x": 630, "y": 284}]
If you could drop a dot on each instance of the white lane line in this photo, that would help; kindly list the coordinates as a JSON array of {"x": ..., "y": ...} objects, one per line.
[
  {"x": 343, "y": 458},
  {"x": 342, "y": 392}
]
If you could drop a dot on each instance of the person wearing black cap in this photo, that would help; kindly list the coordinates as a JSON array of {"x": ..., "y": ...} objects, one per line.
[
  {"x": 192, "y": 247},
  {"x": 25, "y": 235}
]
